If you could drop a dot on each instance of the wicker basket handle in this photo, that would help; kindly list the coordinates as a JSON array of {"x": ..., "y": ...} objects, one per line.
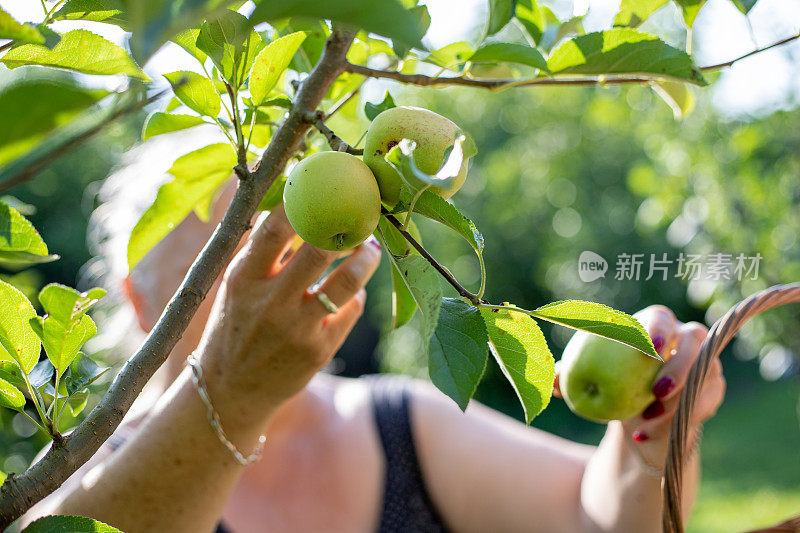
[{"x": 718, "y": 337}]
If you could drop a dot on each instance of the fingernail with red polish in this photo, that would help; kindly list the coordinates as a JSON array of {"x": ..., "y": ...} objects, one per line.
[
  {"x": 658, "y": 343},
  {"x": 663, "y": 387},
  {"x": 653, "y": 410},
  {"x": 372, "y": 241},
  {"x": 640, "y": 436}
]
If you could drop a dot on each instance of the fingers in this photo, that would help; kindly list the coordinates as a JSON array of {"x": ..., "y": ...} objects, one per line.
[
  {"x": 557, "y": 382},
  {"x": 350, "y": 276},
  {"x": 683, "y": 352},
  {"x": 660, "y": 324},
  {"x": 305, "y": 266},
  {"x": 338, "y": 325},
  {"x": 268, "y": 242},
  {"x": 711, "y": 395}
]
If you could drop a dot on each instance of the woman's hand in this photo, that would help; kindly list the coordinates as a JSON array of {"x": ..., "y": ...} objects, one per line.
[
  {"x": 267, "y": 335},
  {"x": 679, "y": 344}
]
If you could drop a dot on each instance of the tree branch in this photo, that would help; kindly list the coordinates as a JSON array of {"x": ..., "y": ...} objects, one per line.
[
  {"x": 751, "y": 53},
  {"x": 317, "y": 119},
  {"x": 502, "y": 83},
  {"x": 19, "y": 493},
  {"x": 434, "y": 263},
  {"x": 30, "y": 169},
  {"x": 493, "y": 84}
]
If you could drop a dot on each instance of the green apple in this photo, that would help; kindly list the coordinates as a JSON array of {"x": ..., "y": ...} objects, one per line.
[
  {"x": 433, "y": 134},
  {"x": 332, "y": 200},
  {"x": 603, "y": 380}
]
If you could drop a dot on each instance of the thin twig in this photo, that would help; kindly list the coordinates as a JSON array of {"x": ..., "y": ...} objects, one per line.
[
  {"x": 343, "y": 102},
  {"x": 496, "y": 84},
  {"x": 434, "y": 263},
  {"x": 751, "y": 53},
  {"x": 33, "y": 168},
  {"x": 8, "y": 45},
  {"x": 317, "y": 119}
]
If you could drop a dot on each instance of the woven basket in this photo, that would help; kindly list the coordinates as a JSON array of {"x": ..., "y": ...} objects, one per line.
[{"x": 718, "y": 337}]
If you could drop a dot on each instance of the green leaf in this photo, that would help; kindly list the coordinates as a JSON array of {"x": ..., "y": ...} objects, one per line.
[
  {"x": 31, "y": 108},
  {"x": 534, "y": 17},
  {"x": 633, "y": 12},
  {"x": 11, "y": 372},
  {"x": 82, "y": 373},
  {"x": 389, "y": 18},
  {"x": 519, "y": 347},
  {"x": 22, "y": 33},
  {"x": 77, "y": 402},
  {"x": 154, "y": 22},
  {"x": 3, "y": 477},
  {"x": 10, "y": 396},
  {"x": 71, "y": 524},
  {"x": 231, "y": 45},
  {"x": 108, "y": 11},
  {"x": 433, "y": 206},
  {"x": 196, "y": 92},
  {"x": 422, "y": 281},
  {"x": 744, "y": 5},
  {"x": 373, "y": 110},
  {"x": 458, "y": 350},
  {"x": 451, "y": 56},
  {"x": 401, "y": 157},
  {"x": 403, "y": 304},
  {"x": 44, "y": 152},
  {"x": 42, "y": 373},
  {"x": 188, "y": 41},
  {"x": 423, "y": 17},
  {"x": 677, "y": 95},
  {"x": 510, "y": 53},
  {"x": 159, "y": 123},
  {"x": 500, "y": 12},
  {"x": 271, "y": 63},
  {"x": 196, "y": 176},
  {"x": 62, "y": 341},
  {"x": 690, "y": 9},
  {"x": 274, "y": 195},
  {"x": 600, "y": 320},
  {"x": 65, "y": 304},
  {"x": 79, "y": 50},
  {"x": 624, "y": 51},
  {"x": 20, "y": 243},
  {"x": 17, "y": 338}
]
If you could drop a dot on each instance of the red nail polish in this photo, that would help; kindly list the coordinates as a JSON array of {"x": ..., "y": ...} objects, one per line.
[
  {"x": 653, "y": 410},
  {"x": 663, "y": 387},
  {"x": 640, "y": 436},
  {"x": 658, "y": 343}
]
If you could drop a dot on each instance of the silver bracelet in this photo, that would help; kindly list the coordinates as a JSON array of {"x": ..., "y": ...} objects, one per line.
[{"x": 213, "y": 417}]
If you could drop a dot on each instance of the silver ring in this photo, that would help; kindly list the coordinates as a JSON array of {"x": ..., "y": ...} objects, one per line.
[{"x": 324, "y": 299}]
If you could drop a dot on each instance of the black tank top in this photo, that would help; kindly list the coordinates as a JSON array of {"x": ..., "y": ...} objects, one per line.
[{"x": 407, "y": 507}]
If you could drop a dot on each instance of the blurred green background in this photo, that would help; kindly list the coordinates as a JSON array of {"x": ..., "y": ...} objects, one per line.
[{"x": 561, "y": 171}]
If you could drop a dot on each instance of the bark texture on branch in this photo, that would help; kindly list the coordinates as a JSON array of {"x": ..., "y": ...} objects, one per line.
[{"x": 21, "y": 492}]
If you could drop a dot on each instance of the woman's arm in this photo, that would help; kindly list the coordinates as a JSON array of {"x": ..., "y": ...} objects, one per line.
[
  {"x": 487, "y": 472},
  {"x": 266, "y": 337}
]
